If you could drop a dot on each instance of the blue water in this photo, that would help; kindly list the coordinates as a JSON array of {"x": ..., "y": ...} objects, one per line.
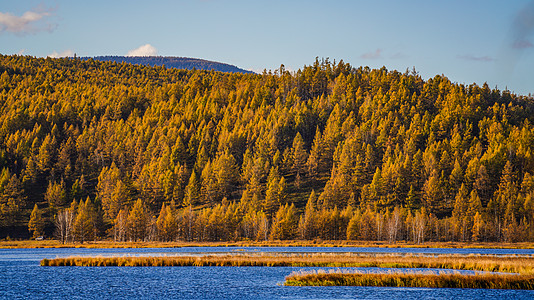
[{"x": 21, "y": 277}]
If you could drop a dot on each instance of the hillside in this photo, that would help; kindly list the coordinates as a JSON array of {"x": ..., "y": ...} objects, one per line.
[
  {"x": 172, "y": 62},
  {"x": 330, "y": 152}
]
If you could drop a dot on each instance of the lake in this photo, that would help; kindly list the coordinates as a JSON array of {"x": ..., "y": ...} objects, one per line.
[{"x": 21, "y": 277}]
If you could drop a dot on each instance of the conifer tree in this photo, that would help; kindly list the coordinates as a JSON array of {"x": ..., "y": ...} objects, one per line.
[
  {"x": 299, "y": 156},
  {"x": 210, "y": 187},
  {"x": 84, "y": 228},
  {"x": 461, "y": 202},
  {"x": 138, "y": 221},
  {"x": 307, "y": 222},
  {"x": 272, "y": 199},
  {"x": 475, "y": 205},
  {"x": 527, "y": 189},
  {"x": 354, "y": 225},
  {"x": 478, "y": 228},
  {"x": 482, "y": 184},
  {"x": 314, "y": 159},
  {"x": 78, "y": 188},
  {"x": 160, "y": 222},
  {"x": 226, "y": 173},
  {"x": 412, "y": 201},
  {"x": 46, "y": 153},
  {"x": 510, "y": 232},
  {"x": 166, "y": 223},
  {"x": 192, "y": 191},
  {"x": 111, "y": 191},
  {"x": 432, "y": 196},
  {"x": 56, "y": 194},
  {"x": 36, "y": 223},
  {"x": 505, "y": 196},
  {"x": 11, "y": 199},
  {"x": 284, "y": 223},
  {"x": 456, "y": 177}
]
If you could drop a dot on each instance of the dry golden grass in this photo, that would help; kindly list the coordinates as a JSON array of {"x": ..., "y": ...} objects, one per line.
[
  {"x": 432, "y": 280},
  {"x": 492, "y": 263}
]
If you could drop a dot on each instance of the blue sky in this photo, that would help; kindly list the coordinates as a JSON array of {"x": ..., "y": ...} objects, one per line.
[{"x": 469, "y": 41}]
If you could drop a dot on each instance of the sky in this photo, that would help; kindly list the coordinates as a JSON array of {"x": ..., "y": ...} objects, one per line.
[{"x": 469, "y": 41}]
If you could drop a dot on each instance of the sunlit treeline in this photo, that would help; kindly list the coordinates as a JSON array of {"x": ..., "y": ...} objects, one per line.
[{"x": 233, "y": 221}]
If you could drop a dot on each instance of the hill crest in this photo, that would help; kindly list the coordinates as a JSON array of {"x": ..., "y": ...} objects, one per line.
[{"x": 173, "y": 62}]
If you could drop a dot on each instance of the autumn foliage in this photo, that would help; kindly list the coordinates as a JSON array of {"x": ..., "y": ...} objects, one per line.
[{"x": 327, "y": 152}]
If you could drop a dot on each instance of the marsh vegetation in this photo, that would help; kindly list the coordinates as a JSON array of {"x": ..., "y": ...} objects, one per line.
[
  {"x": 431, "y": 280},
  {"x": 491, "y": 263}
]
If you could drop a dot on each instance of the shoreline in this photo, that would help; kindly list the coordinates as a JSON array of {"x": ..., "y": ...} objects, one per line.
[{"x": 292, "y": 243}]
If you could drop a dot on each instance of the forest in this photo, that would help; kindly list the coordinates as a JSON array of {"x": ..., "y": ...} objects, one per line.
[{"x": 94, "y": 150}]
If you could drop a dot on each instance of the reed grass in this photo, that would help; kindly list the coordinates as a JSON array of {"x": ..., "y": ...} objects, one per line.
[
  {"x": 431, "y": 280},
  {"x": 491, "y": 263}
]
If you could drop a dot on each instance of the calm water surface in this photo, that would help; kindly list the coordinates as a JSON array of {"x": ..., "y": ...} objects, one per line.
[{"x": 21, "y": 277}]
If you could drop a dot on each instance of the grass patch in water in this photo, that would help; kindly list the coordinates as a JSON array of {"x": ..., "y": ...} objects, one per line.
[
  {"x": 430, "y": 280},
  {"x": 492, "y": 263}
]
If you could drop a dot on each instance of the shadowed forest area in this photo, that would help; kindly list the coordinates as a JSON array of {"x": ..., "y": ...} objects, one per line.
[
  {"x": 93, "y": 150},
  {"x": 171, "y": 62}
]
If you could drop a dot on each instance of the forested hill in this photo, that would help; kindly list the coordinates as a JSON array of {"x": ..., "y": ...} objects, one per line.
[
  {"x": 330, "y": 152},
  {"x": 172, "y": 62}
]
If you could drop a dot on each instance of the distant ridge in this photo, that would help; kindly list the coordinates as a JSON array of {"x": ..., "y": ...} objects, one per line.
[{"x": 173, "y": 62}]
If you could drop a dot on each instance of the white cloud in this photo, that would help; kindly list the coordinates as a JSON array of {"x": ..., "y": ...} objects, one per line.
[
  {"x": 30, "y": 22},
  {"x": 21, "y": 52},
  {"x": 145, "y": 50},
  {"x": 66, "y": 53}
]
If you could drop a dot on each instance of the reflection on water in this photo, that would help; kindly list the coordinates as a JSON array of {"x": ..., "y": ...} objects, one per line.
[{"x": 21, "y": 277}]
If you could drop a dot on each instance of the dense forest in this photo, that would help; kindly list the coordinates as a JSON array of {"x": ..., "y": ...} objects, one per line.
[
  {"x": 171, "y": 62},
  {"x": 92, "y": 150}
]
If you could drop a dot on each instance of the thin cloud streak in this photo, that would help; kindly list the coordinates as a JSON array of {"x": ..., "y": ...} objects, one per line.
[
  {"x": 377, "y": 54},
  {"x": 476, "y": 58},
  {"x": 399, "y": 55},
  {"x": 30, "y": 22},
  {"x": 523, "y": 44},
  {"x": 517, "y": 42},
  {"x": 523, "y": 27}
]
